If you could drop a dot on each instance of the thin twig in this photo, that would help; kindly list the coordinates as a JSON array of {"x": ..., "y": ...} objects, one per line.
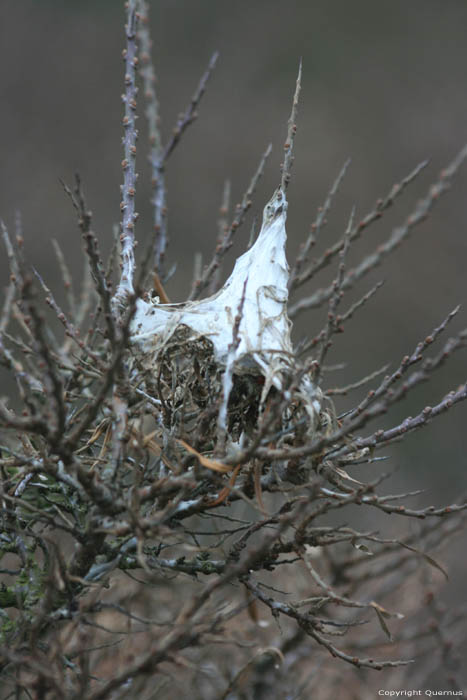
[
  {"x": 397, "y": 236},
  {"x": 93, "y": 253},
  {"x": 332, "y": 324},
  {"x": 375, "y": 214},
  {"x": 66, "y": 277},
  {"x": 227, "y": 379},
  {"x": 190, "y": 114},
  {"x": 223, "y": 228},
  {"x": 316, "y": 226},
  {"x": 344, "y": 390},
  {"x": 291, "y": 131},
  {"x": 227, "y": 240}
]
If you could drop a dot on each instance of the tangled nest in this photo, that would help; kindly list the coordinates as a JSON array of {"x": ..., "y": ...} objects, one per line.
[{"x": 185, "y": 380}]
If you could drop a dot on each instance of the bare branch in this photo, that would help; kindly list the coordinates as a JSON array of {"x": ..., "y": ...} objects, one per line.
[
  {"x": 127, "y": 206},
  {"x": 291, "y": 131},
  {"x": 398, "y": 235}
]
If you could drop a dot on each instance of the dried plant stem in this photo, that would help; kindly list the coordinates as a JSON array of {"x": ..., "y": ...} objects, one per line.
[
  {"x": 376, "y": 213},
  {"x": 93, "y": 253},
  {"x": 190, "y": 114},
  {"x": 66, "y": 276},
  {"x": 158, "y": 199},
  {"x": 331, "y": 321},
  {"x": 316, "y": 226},
  {"x": 291, "y": 131},
  {"x": 226, "y": 243},
  {"x": 227, "y": 379},
  {"x": 127, "y": 206},
  {"x": 397, "y": 236},
  {"x": 223, "y": 228}
]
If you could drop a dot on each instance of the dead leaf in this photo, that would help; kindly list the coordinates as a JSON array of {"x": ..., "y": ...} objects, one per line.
[
  {"x": 428, "y": 559},
  {"x": 226, "y": 490},
  {"x": 206, "y": 461}
]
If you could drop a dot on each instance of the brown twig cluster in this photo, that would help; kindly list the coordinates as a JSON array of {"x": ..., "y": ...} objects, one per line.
[{"x": 171, "y": 528}]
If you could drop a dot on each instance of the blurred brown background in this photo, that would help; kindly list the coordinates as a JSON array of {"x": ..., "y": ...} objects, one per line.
[{"x": 384, "y": 83}]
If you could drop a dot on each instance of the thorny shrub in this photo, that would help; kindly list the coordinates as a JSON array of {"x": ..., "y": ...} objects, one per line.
[{"x": 150, "y": 551}]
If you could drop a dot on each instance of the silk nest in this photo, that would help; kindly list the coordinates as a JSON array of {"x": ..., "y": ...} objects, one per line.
[{"x": 256, "y": 295}]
